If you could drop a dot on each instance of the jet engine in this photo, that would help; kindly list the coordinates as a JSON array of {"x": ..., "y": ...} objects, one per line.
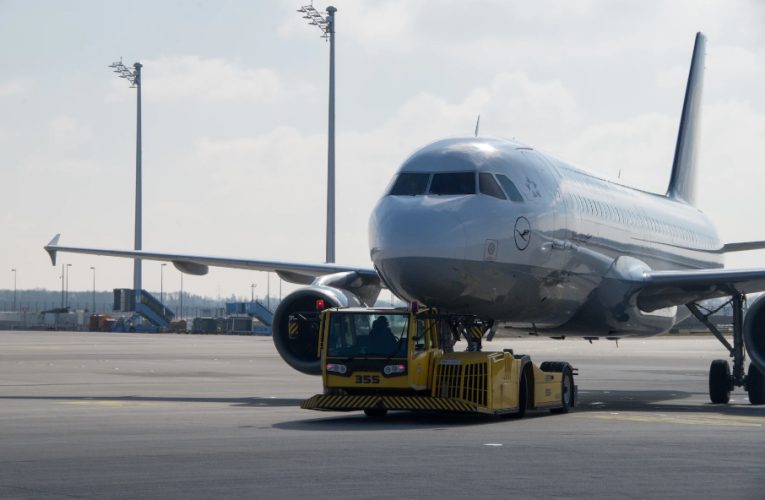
[
  {"x": 754, "y": 332},
  {"x": 299, "y": 347}
]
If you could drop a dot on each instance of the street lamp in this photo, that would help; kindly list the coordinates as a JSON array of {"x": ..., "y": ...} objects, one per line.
[
  {"x": 162, "y": 283},
  {"x": 92, "y": 268},
  {"x": 327, "y": 27},
  {"x": 14, "y": 288},
  {"x": 134, "y": 77},
  {"x": 66, "y": 286},
  {"x": 63, "y": 283},
  {"x": 268, "y": 290},
  {"x": 162, "y": 286},
  {"x": 180, "y": 307}
]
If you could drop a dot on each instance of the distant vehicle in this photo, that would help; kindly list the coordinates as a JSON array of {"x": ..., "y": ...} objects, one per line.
[{"x": 494, "y": 230}]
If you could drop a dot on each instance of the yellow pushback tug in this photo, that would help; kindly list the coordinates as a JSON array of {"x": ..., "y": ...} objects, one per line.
[{"x": 377, "y": 360}]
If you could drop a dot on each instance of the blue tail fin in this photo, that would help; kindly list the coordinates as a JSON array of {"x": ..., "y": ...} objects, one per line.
[{"x": 682, "y": 184}]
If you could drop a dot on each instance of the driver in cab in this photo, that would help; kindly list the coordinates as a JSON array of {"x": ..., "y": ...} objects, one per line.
[{"x": 381, "y": 338}]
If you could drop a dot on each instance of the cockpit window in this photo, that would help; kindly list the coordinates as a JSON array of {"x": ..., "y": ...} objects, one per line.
[
  {"x": 410, "y": 184},
  {"x": 487, "y": 185},
  {"x": 510, "y": 189},
  {"x": 453, "y": 183}
]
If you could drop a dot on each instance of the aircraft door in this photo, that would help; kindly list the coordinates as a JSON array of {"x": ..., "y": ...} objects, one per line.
[{"x": 545, "y": 184}]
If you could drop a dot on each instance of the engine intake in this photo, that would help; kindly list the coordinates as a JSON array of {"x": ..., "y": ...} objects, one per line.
[
  {"x": 754, "y": 332},
  {"x": 299, "y": 349}
]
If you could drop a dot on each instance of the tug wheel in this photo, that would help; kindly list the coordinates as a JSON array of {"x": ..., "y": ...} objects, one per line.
[
  {"x": 524, "y": 388},
  {"x": 720, "y": 382},
  {"x": 566, "y": 391}
]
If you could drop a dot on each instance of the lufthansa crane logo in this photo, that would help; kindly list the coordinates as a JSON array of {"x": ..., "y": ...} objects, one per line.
[{"x": 522, "y": 233}]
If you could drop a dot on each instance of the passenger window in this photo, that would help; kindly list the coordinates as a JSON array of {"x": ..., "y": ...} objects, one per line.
[
  {"x": 488, "y": 186},
  {"x": 410, "y": 184},
  {"x": 453, "y": 183},
  {"x": 509, "y": 187}
]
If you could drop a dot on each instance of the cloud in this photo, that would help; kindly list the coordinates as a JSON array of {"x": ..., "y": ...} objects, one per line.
[
  {"x": 14, "y": 87},
  {"x": 511, "y": 105},
  {"x": 262, "y": 189},
  {"x": 215, "y": 80},
  {"x": 66, "y": 133},
  {"x": 636, "y": 151},
  {"x": 376, "y": 25}
]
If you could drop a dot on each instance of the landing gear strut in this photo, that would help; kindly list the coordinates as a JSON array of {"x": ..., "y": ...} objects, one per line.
[
  {"x": 721, "y": 379},
  {"x": 473, "y": 330}
]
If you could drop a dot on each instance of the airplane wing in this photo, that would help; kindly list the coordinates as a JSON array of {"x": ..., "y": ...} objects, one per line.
[
  {"x": 199, "y": 265},
  {"x": 659, "y": 289}
]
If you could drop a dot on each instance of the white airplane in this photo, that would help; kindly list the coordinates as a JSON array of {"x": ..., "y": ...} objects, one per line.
[{"x": 501, "y": 234}]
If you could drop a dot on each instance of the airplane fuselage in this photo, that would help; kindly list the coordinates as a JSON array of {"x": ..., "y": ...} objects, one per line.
[{"x": 493, "y": 228}]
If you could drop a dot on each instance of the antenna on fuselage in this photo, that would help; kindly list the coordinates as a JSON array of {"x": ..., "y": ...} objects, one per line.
[{"x": 477, "y": 124}]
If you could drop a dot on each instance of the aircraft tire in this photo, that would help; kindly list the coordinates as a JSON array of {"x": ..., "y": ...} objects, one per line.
[
  {"x": 375, "y": 412},
  {"x": 720, "y": 382},
  {"x": 566, "y": 391},
  {"x": 755, "y": 385}
]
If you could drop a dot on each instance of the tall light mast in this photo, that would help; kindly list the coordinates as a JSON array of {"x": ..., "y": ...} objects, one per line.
[
  {"x": 327, "y": 27},
  {"x": 134, "y": 77}
]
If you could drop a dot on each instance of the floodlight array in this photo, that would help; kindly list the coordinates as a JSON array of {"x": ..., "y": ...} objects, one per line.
[
  {"x": 315, "y": 18},
  {"x": 123, "y": 72}
]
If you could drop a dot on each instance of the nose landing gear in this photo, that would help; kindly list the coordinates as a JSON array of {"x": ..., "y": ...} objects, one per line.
[{"x": 473, "y": 330}]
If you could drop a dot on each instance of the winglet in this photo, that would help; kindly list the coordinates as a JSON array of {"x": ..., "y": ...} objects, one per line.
[
  {"x": 51, "y": 248},
  {"x": 682, "y": 183},
  {"x": 743, "y": 246}
]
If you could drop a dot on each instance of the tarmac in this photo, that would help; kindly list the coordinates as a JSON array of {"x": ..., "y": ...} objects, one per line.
[{"x": 104, "y": 415}]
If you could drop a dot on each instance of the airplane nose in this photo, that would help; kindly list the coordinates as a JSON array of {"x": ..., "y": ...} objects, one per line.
[{"x": 418, "y": 245}]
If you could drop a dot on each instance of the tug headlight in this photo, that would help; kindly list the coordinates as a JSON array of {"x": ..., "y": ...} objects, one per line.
[
  {"x": 393, "y": 369},
  {"x": 336, "y": 368}
]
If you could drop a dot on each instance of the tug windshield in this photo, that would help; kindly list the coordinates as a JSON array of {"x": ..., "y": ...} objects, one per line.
[{"x": 367, "y": 335}]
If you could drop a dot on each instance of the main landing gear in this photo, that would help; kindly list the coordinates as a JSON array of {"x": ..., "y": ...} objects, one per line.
[{"x": 722, "y": 379}]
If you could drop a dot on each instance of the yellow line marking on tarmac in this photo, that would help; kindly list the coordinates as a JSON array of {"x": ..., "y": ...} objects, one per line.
[
  {"x": 115, "y": 403},
  {"x": 684, "y": 419}
]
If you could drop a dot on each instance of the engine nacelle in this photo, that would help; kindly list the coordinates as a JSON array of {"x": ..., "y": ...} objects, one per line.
[
  {"x": 300, "y": 349},
  {"x": 754, "y": 332}
]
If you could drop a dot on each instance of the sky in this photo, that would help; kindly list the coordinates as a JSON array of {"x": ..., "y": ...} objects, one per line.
[{"x": 235, "y": 118}]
